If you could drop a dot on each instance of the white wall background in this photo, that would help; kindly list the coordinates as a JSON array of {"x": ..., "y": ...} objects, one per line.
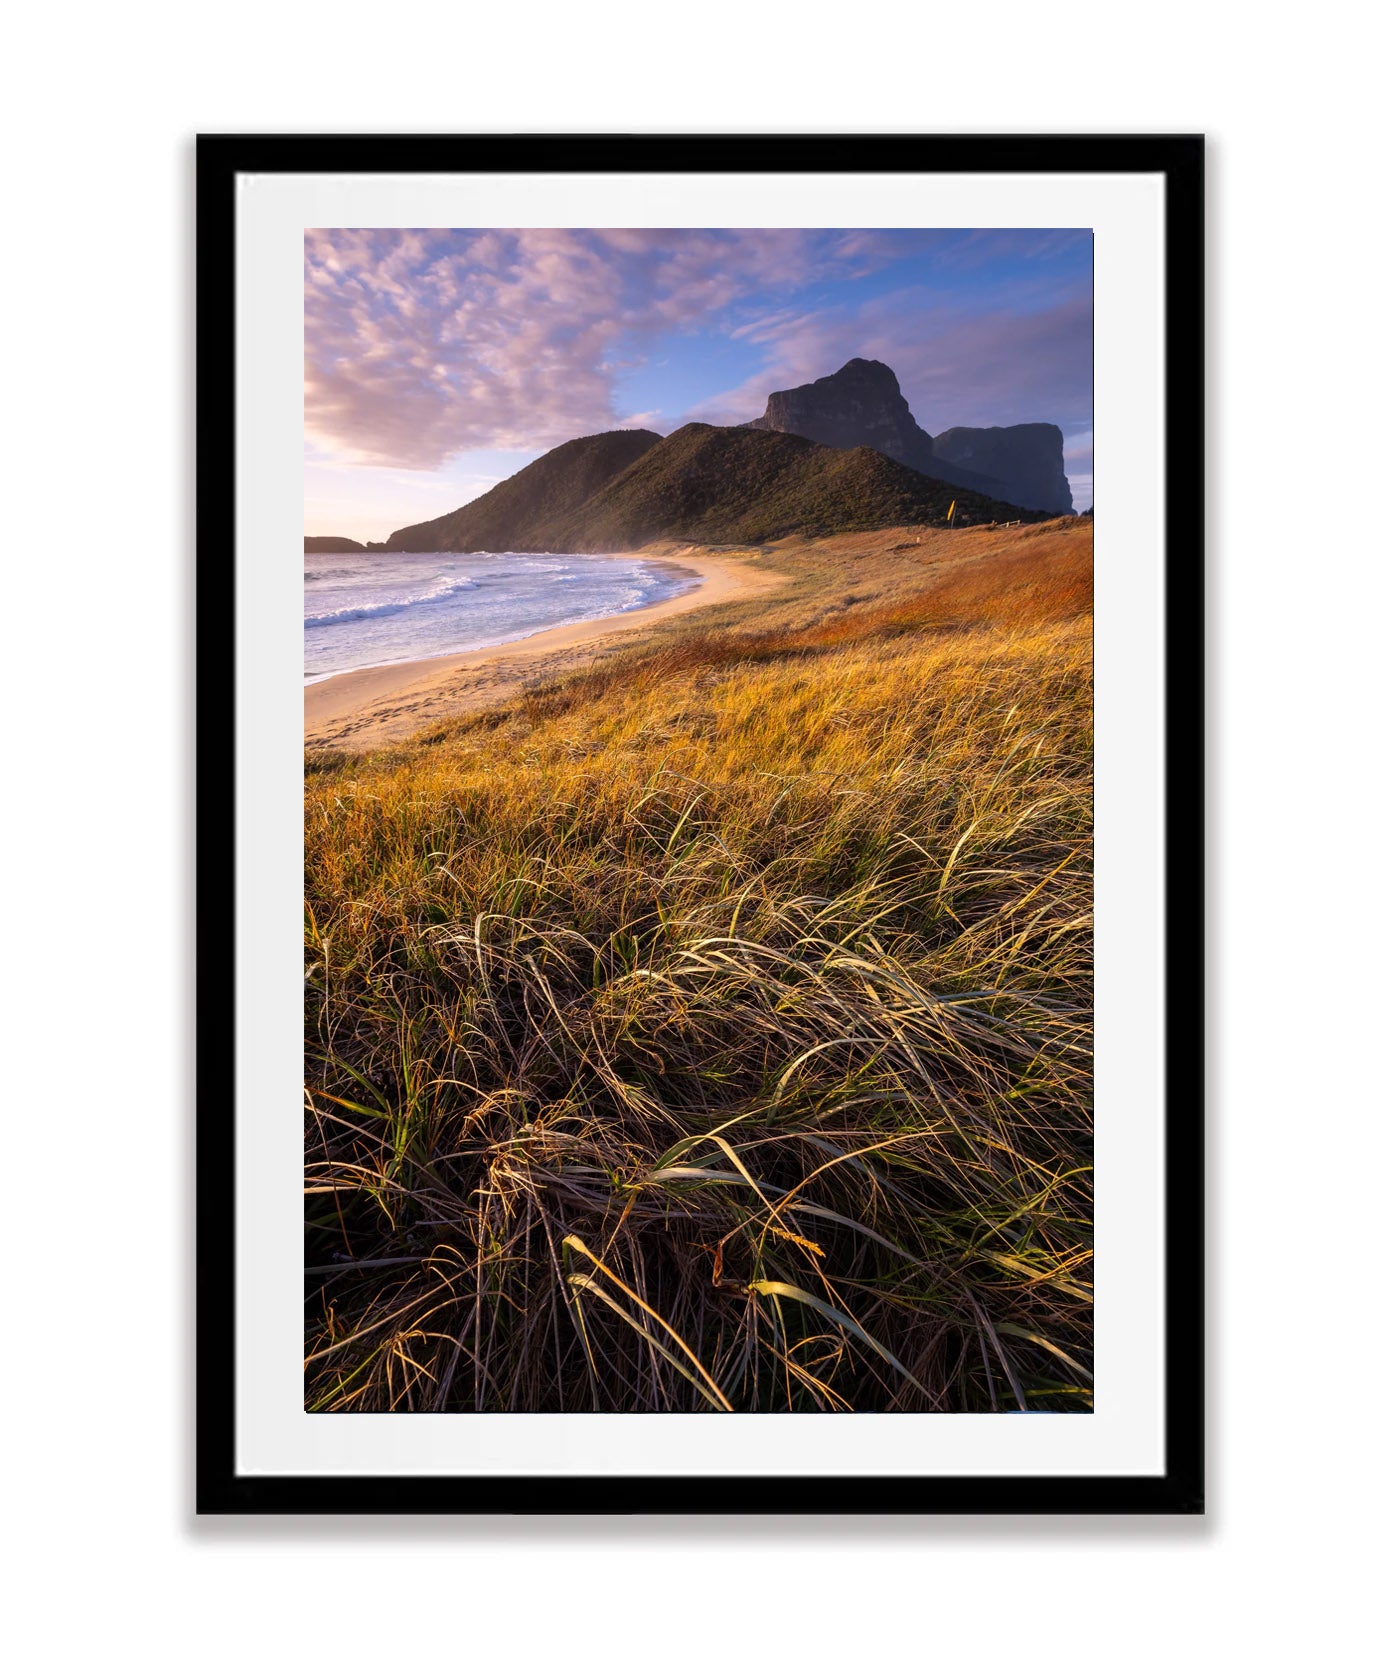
[{"x": 1285, "y": 1576}]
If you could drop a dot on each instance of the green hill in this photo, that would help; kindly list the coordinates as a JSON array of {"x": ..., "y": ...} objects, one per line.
[
  {"x": 731, "y": 484},
  {"x": 709, "y": 484},
  {"x": 523, "y": 512}
]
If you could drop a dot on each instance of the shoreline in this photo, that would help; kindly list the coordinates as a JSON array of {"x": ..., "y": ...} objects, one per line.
[
  {"x": 515, "y": 641},
  {"x": 376, "y": 705}
]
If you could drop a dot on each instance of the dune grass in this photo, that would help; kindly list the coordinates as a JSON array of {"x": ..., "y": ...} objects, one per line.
[{"x": 711, "y": 1031}]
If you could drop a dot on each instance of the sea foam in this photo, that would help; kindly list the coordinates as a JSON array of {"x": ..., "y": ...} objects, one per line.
[{"x": 381, "y": 609}]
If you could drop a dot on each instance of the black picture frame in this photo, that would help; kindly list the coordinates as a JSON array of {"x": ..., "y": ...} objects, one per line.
[{"x": 1179, "y": 161}]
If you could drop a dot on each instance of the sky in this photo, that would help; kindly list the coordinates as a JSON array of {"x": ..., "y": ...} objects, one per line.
[{"x": 439, "y": 361}]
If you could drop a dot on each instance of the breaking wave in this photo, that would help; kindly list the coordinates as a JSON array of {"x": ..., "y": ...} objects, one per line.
[{"x": 383, "y": 609}]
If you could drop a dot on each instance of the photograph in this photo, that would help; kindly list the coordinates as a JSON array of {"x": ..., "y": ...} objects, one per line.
[
  {"x": 702, "y": 995},
  {"x": 699, "y": 746}
]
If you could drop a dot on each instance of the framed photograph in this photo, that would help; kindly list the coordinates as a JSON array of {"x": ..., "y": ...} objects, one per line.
[{"x": 700, "y": 888}]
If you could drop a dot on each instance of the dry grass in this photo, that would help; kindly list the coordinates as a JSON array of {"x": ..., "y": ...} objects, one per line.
[{"x": 711, "y": 1030}]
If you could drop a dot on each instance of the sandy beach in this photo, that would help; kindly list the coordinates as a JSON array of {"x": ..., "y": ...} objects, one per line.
[{"x": 386, "y": 703}]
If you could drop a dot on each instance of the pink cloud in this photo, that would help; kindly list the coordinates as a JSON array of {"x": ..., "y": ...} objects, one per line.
[{"x": 421, "y": 345}]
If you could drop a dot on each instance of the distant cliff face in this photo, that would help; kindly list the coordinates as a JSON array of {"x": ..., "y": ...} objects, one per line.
[
  {"x": 861, "y": 405},
  {"x": 1029, "y": 460},
  {"x": 331, "y": 545}
]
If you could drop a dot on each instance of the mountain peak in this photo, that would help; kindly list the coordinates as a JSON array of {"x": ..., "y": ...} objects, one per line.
[
  {"x": 868, "y": 368},
  {"x": 858, "y": 405},
  {"x": 878, "y": 372},
  {"x": 861, "y": 405}
]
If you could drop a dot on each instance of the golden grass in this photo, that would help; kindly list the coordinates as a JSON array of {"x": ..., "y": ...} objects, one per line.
[{"x": 711, "y": 1031}]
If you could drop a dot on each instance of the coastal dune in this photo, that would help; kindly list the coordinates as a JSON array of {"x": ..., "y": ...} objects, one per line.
[{"x": 694, "y": 986}]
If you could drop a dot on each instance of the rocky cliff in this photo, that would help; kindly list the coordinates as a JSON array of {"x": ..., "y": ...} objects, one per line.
[
  {"x": 1028, "y": 460},
  {"x": 861, "y": 405}
]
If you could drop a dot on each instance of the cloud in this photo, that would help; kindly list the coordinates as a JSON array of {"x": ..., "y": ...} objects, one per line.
[{"x": 423, "y": 344}]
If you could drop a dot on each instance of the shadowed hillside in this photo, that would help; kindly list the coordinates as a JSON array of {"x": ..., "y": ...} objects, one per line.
[
  {"x": 732, "y": 484},
  {"x": 712, "y": 484},
  {"x": 523, "y": 512}
]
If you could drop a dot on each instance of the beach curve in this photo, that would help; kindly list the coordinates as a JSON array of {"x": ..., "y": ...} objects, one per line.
[{"x": 380, "y": 704}]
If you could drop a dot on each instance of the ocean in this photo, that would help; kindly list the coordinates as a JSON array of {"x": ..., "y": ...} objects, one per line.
[{"x": 381, "y": 609}]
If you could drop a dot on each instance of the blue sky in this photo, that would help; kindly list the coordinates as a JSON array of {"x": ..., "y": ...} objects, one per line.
[{"x": 440, "y": 361}]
